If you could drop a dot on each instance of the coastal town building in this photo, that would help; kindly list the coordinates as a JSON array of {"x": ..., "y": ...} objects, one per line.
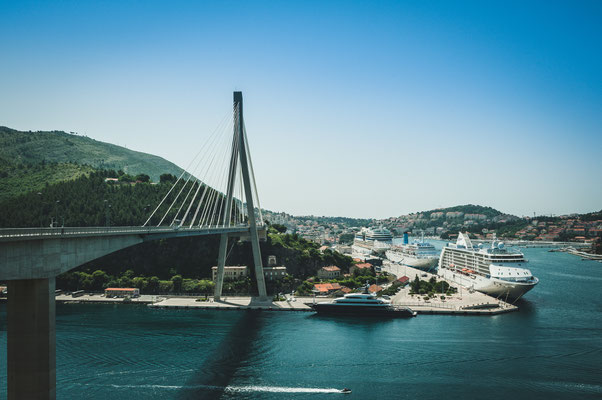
[
  {"x": 326, "y": 288},
  {"x": 274, "y": 273},
  {"x": 404, "y": 280},
  {"x": 231, "y": 272},
  {"x": 361, "y": 267},
  {"x": 330, "y": 272},
  {"x": 374, "y": 289}
]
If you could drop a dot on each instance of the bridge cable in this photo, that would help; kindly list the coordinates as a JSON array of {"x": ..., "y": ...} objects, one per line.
[
  {"x": 216, "y": 135},
  {"x": 252, "y": 174},
  {"x": 208, "y": 166},
  {"x": 208, "y": 190},
  {"x": 184, "y": 171}
]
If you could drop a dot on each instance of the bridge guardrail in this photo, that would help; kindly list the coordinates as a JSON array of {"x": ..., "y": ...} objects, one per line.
[{"x": 24, "y": 233}]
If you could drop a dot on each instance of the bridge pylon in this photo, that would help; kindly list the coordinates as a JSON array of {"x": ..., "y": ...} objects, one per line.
[{"x": 239, "y": 155}]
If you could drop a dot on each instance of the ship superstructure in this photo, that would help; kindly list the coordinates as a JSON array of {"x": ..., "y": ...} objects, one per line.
[
  {"x": 368, "y": 241},
  {"x": 418, "y": 254},
  {"x": 364, "y": 303},
  {"x": 494, "y": 270}
]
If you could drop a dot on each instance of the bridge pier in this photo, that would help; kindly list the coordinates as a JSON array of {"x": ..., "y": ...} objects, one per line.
[
  {"x": 31, "y": 364},
  {"x": 221, "y": 262}
]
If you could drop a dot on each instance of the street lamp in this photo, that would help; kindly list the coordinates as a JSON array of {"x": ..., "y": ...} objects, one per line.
[
  {"x": 107, "y": 213},
  {"x": 146, "y": 209},
  {"x": 55, "y": 220},
  {"x": 41, "y": 209}
]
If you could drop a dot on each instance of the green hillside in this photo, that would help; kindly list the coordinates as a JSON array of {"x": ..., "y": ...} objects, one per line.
[
  {"x": 468, "y": 209},
  {"x": 19, "y": 178},
  {"x": 61, "y": 147}
]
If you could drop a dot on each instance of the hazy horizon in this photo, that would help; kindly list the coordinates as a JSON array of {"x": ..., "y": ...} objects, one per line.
[{"x": 352, "y": 109}]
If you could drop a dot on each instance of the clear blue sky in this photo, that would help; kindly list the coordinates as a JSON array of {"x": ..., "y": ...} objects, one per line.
[{"x": 365, "y": 109}]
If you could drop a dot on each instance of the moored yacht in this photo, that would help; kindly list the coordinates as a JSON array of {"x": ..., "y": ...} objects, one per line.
[
  {"x": 364, "y": 303},
  {"x": 495, "y": 270}
]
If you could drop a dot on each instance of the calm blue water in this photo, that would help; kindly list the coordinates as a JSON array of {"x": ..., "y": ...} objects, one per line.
[{"x": 552, "y": 348}]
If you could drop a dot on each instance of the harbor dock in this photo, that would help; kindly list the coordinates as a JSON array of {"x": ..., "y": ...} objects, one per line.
[
  {"x": 463, "y": 302},
  {"x": 471, "y": 304},
  {"x": 235, "y": 303}
]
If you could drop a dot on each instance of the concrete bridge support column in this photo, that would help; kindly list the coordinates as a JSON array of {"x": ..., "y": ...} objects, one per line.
[
  {"x": 221, "y": 262},
  {"x": 31, "y": 339}
]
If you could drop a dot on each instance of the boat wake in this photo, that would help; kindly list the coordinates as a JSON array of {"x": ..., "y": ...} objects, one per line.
[
  {"x": 236, "y": 389},
  {"x": 278, "y": 389}
]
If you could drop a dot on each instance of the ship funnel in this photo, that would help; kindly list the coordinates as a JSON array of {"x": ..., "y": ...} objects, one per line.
[{"x": 405, "y": 238}]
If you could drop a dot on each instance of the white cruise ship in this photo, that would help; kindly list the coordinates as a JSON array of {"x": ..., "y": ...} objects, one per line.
[
  {"x": 368, "y": 241},
  {"x": 493, "y": 270},
  {"x": 418, "y": 254}
]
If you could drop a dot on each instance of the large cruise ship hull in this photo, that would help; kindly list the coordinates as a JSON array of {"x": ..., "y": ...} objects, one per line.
[
  {"x": 367, "y": 247},
  {"x": 424, "y": 264},
  {"x": 490, "y": 286}
]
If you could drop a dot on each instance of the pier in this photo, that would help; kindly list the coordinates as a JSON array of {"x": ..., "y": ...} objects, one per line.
[
  {"x": 468, "y": 304},
  {"x": 464, "y": 302}
]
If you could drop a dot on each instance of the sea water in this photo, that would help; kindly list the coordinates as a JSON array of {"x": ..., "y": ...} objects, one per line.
[{"x": 550, "y": 349}]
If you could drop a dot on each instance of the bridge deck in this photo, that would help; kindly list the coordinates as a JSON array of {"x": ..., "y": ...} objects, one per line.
[{"x": 20, "y": 234}]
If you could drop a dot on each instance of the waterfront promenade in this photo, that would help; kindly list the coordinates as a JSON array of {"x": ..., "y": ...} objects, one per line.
[
  {"x": 466, "y": 304},
  {"x": 463, "y": 302},
  {"x": 235, "y": 303}
]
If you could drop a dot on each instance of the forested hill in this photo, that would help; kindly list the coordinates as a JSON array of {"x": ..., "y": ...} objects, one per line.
[
  {"x": 20, "y": 178},
  {"x": 60, "y": 147},
  {"x": 466, "y": 209},
  {"x": 81, "y": 202}
]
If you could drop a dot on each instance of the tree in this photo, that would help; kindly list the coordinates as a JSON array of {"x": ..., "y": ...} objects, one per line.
[
  {"x": 280, "y": 228},
  {"x": 166, "y": 178},
  {"x": 99, "y": 279},
  {"x": 346, "y": 238},
  {"x": 126, "y": 178},
  {"x": 177, "y": 283},
  {"x": 143, "y": 178},
  {"x": 153, "y": 284},
  {"x": 415, "y": 285}
]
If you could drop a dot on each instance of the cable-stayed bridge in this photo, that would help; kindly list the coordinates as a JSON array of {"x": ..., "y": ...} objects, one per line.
[{"x": 215, "y": 195}]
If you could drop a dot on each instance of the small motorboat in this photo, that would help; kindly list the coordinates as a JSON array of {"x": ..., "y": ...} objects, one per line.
[{"x": 346, "y": 390}]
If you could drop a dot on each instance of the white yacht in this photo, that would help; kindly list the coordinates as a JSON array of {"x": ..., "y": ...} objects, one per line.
[
  {"x": 369, "y": 241},
  {"x": 495, "y": 270},
  {"x": 364, "y": 303},
  {"x": 418, "y": 254}
]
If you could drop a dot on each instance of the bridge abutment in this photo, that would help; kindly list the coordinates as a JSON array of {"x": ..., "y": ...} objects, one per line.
[{"x": 31, "y": 361}]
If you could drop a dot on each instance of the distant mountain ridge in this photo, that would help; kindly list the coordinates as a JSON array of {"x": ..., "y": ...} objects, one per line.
[{"x": 61, "y": 147}]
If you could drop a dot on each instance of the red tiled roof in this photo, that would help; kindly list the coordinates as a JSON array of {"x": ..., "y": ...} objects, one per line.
[
  {"x": 403, "y": 279},
  {"x": 322, "y": 287},
  {"x": 345, "y": 289},
  {"x": 331, "y": 268},
  {"x": 326, "y": 287},
  {"x": 363, "y": 265},
  {"x": 375, "y": 288}
]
